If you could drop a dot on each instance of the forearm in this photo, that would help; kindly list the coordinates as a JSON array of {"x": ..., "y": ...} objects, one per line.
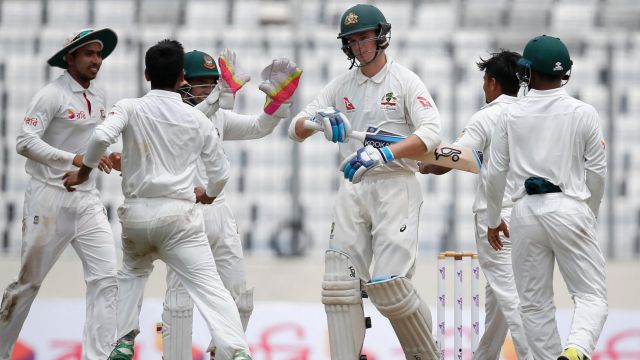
[
  {"x": 411, "y": 146},
  {"x": 297, "y": 131},
  {"x": 495, "y": 186},
  {"x": 595, "y": 184},
  {"x": 34, "y": 148},
  {"x": 97, "y": 147}
]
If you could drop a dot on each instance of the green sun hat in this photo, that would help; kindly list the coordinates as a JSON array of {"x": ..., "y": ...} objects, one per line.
[
  {"x": 106, "y": 37},
  {"x": 547, "y": 55},
  {"x": 199, "y": 64}
]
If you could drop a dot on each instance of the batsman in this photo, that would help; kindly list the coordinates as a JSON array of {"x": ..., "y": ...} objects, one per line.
[{"x": 379, "y": 200}]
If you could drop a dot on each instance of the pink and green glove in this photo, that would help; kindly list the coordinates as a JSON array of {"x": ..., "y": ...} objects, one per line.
[
  {"x": 279, "y": 81},
  {"x": 231, "y": 80}
]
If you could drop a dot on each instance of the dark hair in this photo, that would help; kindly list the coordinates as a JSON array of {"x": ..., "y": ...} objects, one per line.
[
  {"x": 502, "y": 67},
  {"x": 164, "y": 63}
]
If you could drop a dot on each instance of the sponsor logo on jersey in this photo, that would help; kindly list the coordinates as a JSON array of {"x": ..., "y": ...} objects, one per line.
[
  {"x": 347, "y": 104},
  {"x": 558, "y": 67},
  {"x": 208, "y": 62},
  {"x": 351, "y": 19},
  {"x": 36, "y": 220},
  {"x": 31, "y": 121},
  {"x": 333, "y": 226},
  {"x": 424, "y": 102},
  {"x": 604, "y": 144},
  {"x": 72, "y": 115},
  {"x": 103, "y": 115},
  {"x": 403, "y": 228},
  {"x": 389, "y": 101}
]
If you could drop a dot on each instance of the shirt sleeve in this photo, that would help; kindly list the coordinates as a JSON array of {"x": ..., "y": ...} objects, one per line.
[
  {"x": 246, "y": 127},
  {"x": 422, "y": 112},
  {"x": 42, "y": 111},
  {"x": 214, "y": 159},
  {"x": 497, "y": 171},
  {"x": 325, "y": 99},
  {"x": 474, "y": 134},
  {"x": 106, "y": 134},
  {"x": 595, "y": 159}
]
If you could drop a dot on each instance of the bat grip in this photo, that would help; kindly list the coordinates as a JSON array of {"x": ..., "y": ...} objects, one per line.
[{"x": 356, "y": 135}]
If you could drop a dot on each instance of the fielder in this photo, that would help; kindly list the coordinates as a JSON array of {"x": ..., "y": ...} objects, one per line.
[
  {"x": 500, "y": 86},
  {"x": 378, "y": 204},
  {"x": 54, "y": 134},
  {"x": 215, "y": 97},
  {"x": 160, "y": 219},
  {"x": 553, "y": 146}
]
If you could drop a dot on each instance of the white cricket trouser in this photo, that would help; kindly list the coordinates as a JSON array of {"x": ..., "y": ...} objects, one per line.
[
  {"x": 501, "y": 301},
  {"x": 378, "y": 218},
  {"x": 173, "y": 231},
  {"x": 52, "y": 219},
  {"x": 552, "y": 227},
  {"x": 226, "y": 246}
]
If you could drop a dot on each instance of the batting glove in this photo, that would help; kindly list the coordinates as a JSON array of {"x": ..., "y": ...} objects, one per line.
[
  {"x": 279, "y": 81},
  {"x": 231, "y": 78},
  {"x": 366, "y": 158},
  {"x": 336, "y": 126}
]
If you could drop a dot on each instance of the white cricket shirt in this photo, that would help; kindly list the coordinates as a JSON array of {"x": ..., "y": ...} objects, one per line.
[
  {"x": 477, "y": 135},
  {"x": 547, "y": 134},
  {"x": 162, "y": 140},
  {"x": 395, "y": 100},
  {"x": 57, "y": 126}
]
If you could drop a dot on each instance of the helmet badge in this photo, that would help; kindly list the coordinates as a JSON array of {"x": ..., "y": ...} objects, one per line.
[
  {"x": 558, "y": 67},
  {"x": 208, "y": 62},
  {"x": 351, "y": 19}
]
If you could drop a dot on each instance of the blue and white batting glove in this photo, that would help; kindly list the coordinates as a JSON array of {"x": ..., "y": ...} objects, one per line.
[
  {"x": 335, "y": 124},
  {"x": 366, "y": 158}
]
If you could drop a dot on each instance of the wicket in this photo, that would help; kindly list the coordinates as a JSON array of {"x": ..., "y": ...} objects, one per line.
[{"x": 457, "y": 293}]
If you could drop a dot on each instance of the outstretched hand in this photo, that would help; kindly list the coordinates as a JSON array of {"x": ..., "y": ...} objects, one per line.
[{"x": 279, "y": 81}]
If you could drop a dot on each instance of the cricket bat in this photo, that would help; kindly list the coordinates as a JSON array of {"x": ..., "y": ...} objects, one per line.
[{"x": 446, "y": 155}]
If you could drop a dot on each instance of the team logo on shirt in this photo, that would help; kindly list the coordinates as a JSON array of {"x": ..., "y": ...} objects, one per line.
[
  {"x": 351, "y": 19},
  {"x": 70, "y": 114},
  {"x": 208, "y": 62},
  {"x": 347, "y": 104},
  {"x": 389, "y": 101},
  {"x": 424, "y": 102}
]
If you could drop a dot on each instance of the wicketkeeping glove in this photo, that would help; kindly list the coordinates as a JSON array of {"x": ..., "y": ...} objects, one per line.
[
  {"x": 336, "y": 126},
  {"x": 231, "y": 79},
  {"x": 279, "y": 81},
  {"x": 366, "y": 158}
]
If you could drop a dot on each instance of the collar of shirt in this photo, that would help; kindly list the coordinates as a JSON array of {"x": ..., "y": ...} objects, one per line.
[
  {"x": 377, "y": 78},
  {"x": 506, "y": 99},
  {"x": 551, "y": 92},
  {"x": 76, "y": 87},
  {"x": 164, "y": 93}
]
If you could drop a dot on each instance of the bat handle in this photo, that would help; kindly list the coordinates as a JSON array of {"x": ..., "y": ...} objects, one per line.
[
  {"x": 356, "y": 135},
  {"x": 308, "y": 124}
]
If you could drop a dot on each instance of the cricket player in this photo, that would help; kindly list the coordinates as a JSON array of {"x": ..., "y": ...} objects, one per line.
[
  {"x": 54, "y": 134},
  {"x": 162, "y": 140},
  {"x": 553, "y": 147},
  {"x": 500, "y": 86},
  {"x": 378, "y": 203},
  {"x": 214, "y": 97}
]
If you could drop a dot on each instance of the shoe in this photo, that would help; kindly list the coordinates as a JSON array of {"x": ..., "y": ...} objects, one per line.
[
  {"x": 123, "y": 349},
  {"x": 241, "y": 355},
  {"x": 571, "y": 353}
]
